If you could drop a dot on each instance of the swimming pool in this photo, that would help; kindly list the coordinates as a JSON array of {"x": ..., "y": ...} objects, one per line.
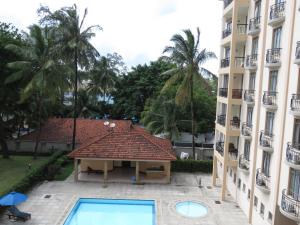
[
  {"x": 112, "y": 212},
  {"x": 191, "y": 209}
]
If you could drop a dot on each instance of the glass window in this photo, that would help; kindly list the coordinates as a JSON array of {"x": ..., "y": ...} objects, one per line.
[
  {"x": 266, "y": 163},
  {"x": 254, "y": 49},
  {"x": 294, "y": 186},
  {"x": 262, "y": 209},
  {"x": 249, "y": 115},
  {"x": 276, "y": 37},
  {"x": 252, "y": 81},
  {"x": 296, "y": 139},
  {"x": 255, "y": 201},
  {"x": 257, "y": 9},
  {"x": 244, "y": 187},
  {"x": 227, "y": 52},
  {"x": 270, "y": 216},
  {"x": 239, "y": 183},
  {"x": 269, "y": 123},
  {"x": 249, "y": 192},
  {"x": 247, "y": 150},
  {"x": 273, "y": 80}
]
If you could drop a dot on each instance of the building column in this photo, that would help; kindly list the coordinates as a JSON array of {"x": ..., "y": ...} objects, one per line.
[
  {"x": 75, "y": 170},
  {"x": 105, "y": 171},
  {"x": 168, "y": 171},
  {"x": 137, "y": 171},
  {"x": 214, "y": 172}
]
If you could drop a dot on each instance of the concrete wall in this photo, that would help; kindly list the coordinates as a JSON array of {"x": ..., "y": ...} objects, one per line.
[
  {"x": 147, "y": 165},
  {"x": 202, "y": 154}
]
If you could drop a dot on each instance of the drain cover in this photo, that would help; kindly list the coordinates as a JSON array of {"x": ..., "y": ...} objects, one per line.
[
  {"x": 217, "y": 202},
  {"x": 47, "y": 196}
]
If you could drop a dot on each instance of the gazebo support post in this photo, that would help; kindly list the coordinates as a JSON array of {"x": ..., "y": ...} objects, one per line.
[
  {"x": 75, "y": 170},
  {"x": 105, "y": 170},
  {"x": 137, "y": 169}
]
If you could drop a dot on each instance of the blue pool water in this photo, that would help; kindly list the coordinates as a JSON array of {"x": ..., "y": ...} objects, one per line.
[
  {"x": 112, "y": 212},
  {"x": 191, "y": 209}
]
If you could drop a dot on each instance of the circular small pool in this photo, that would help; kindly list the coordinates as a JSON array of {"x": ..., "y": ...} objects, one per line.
[{"x": 191, "y": 209}]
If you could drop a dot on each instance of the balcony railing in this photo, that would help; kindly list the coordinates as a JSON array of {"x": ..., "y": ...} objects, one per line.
[
  {"x": 293, "y": 153},
  {"x": 239, "y": 61},
  {"x": 226, "y": 3},
  {"x": 297, "y": 54},
  {"x": 220, "y": 147},
  {"x": 242, "y": 28},
  {"x": 254, "y": 24},
  {"x": 225, "y": 62},
  {"x": 277, "y": 11},
  {"x": 244, "y": 163},
  {"x": 262, "y": 179},
  {"x": 269, "y": 98},
  {"x": 246, "y": 129},
  {"x": 251, "y": 60},
  {"x": 266, "y": 139},
  {"x": 237, "y": 93},
  {"x": 273, "y": 55},
  {"x": 221, "y": 119},
  {"x": 226, "y": 32},
  {"x": 235, "y": 122},
  {"x": 290, "y": 205},
  {"x": 295, "y": 102},
  {"x": 223, "y": 92},
  {"x": 249, "y": 96}
]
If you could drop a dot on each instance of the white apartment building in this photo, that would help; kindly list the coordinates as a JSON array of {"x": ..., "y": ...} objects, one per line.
[{"x": 257, "y": 147}]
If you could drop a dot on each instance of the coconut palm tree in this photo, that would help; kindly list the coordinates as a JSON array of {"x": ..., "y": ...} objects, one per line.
[
  {"x": 73, "y": 42},
  {"x": 39, "y": 71},
  {"x": 189, "y": 59}
]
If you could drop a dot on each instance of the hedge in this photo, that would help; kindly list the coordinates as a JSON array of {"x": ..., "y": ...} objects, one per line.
[
  {"x": 35, "y": 175},
  {"x": 190, "y": 165}
]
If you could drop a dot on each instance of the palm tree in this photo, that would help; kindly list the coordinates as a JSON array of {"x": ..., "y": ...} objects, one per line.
[
  {"x": 39, "y": 71},
  {"x": 188, "y": 58},
  {"x": 72, "y": 42},
  {"x": 103, "y": 78}
]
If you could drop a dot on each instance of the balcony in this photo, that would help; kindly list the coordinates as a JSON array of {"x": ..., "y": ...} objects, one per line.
[
  {"x": 295, "y": 105},
  {"x": 273, "y": 58},
  {"x": 266, "y": 141},
  {"x": 220, "y": 147},
  {"x": 239, "y": 62},
  {"x": 269, "y": 100},
  {"x": 226, "y": 32},
  {"x": 290, "y": 206},
  {"x": 254, "y": 26},
  {"x": 251, "y": 62},
  {"x": 297, "y": 54},
  {"x": 277, "y": 14},
  {"x": 249, "y": 97},
  {"x": 237, "y": 93},
  {"x": 262, "y": 181},
  {"x": 235, "y": 123},
  {"x": 221, "y": 119},
  {"x": 244, "y": 164},
  {"x": 292, "y": 155},
  {"x": 223, "y": 92},
  {"x": 225, "y": 62},
  {"x": 242, "y": 29},
  {"x": 247, "y": 130},
  {"x": 226, "y": 3}
]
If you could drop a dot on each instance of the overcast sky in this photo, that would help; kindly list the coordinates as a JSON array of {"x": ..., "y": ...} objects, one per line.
[{"x": 136, "y": 29}]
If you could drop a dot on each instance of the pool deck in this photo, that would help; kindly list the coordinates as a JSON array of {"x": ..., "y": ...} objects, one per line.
[{"x": 184, "y": 186}]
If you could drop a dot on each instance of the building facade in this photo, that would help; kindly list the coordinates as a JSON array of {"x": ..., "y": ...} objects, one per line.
[{"x": 257, "y": 144}]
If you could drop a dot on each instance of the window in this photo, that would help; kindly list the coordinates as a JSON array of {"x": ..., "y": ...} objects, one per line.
[
  {"x": 294, "y": 186},
  {"x": 227, "y": 52},
  {"x": 225, "y": 81},
  {"x": 276, "y": 37},
  {"x": 252, "y": 81},
  {"x": 249, "y": 115},
  {"x": 230, "y": 173},
  {"x": 269, "y": 122},
  {"x": 296, "y": 137},
  {"x": 273, "y": 80},
  {"x": 244, "y": 187},
  {"x": 234, "y": 178},
  {"x": 257, "y": 9},
  {"x": 262, "y": 209},
  {"x": 247, "y": 150},
  {"x": 249, "y": 194},
  {"x": 254, "y": 49},
  {"x": 239, "y": 183},
  {"x": 255, "y": 202},
  {"x": 270, "y": 217},
  {"x": 266, "y": 163}
]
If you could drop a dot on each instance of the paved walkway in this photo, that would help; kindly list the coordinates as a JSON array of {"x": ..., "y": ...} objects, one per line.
[{"x": 64, "y": 194}]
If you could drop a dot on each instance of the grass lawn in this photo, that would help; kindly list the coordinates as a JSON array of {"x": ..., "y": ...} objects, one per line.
[
  {"x": 65, "y": 171},
  {"x": 15, "y": 169}
]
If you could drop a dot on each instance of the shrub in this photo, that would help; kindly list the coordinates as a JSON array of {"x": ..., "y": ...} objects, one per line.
[{"x": 190, "y": 165}]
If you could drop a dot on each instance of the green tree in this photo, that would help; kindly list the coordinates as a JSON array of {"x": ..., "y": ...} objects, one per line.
[
  {"x": 73, "y": 42},
  {"x": 189, "y": 60},
  {"x": 38, "y": 70}
]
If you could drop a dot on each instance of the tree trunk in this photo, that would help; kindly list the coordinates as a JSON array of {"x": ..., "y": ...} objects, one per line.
[
  {"x": 75, "y": 99},
  {"x": 4, "y": 148},
  {"x": 38, "y": 136},
  {"x": 192, "y": 117}
]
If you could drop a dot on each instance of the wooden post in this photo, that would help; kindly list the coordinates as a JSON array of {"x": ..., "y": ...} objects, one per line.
[
  {"x": 75, "y": 170},
  {"x": 105, "y": 170},
  {"x": 168, "y": 171},
  {"x": 137, "y": 169}
]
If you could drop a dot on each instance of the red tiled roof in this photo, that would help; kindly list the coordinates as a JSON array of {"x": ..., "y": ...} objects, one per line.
[
  {"x": 133, "y": 145},
  {"x": 60, "y": 130}
]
